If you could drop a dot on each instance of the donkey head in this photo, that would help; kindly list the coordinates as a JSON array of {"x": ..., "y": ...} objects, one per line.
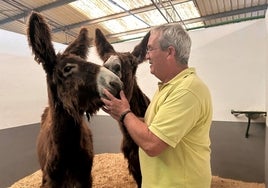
[
  {"x": 73, "y": 83},
  {"x": 122, "y": 64}
]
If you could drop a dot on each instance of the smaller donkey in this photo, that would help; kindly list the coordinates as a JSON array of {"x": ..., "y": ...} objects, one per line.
[
  {"x": 125, "y": 66},
  {"x": 64, "y": 145}
]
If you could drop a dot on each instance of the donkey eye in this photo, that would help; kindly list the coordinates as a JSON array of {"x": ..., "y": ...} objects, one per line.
[
  {"x": 67, "y": 69},
  {"x": 70, "y": 69},
  {"x": 117, "y": 68}
]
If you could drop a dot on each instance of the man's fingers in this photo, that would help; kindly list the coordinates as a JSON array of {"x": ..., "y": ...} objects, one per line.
[
  {"x": 123, "y": 96},
  {"x": 106, "y": 101},
  {"x": 108, "y": 94},
  {"x": 105, "y": 110}
]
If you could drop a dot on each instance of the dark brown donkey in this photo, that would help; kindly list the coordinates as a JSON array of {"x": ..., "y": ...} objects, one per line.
[
  {"x": 64, "y": 145},
  {"x": 125, "y": 66}
]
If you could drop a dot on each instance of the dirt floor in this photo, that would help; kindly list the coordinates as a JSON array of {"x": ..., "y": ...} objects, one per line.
[{"x": 110, "y": 171}]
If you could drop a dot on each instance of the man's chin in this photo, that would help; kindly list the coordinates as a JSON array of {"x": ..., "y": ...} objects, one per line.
[
  {"x": 152, "y": 72},
  {"x": 151, "y": 69}
]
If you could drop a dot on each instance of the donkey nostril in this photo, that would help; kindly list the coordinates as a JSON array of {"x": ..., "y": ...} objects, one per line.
[
  {"x": 114, "y": 84},
  {"x": 116, "y": 87}
]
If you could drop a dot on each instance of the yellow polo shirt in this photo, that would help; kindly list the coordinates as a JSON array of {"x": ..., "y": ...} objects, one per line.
[{"x": 180, "y": 114}]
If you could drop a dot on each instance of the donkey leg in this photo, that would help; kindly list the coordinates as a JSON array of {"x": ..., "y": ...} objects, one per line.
[
  {"x": 47, "y": 182},
  {"x": 131, "y": 153},
  {"x": 83, "y": 170},
  {"x": 134, "y": 168}
]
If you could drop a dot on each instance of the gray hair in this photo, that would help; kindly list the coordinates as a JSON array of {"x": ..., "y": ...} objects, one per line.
[{"x": 174, "y": 35}]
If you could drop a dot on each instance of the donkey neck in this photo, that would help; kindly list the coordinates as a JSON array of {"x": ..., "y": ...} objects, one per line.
[
  {"x": 66, "y": 128},
  {"x": 139, "y": 101}
]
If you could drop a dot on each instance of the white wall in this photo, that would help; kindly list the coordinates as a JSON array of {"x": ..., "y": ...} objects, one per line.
[
  {"x": 266, "y": 79},
  {"x": 23, "y": 94},
  {"x": 231, "y": 59},
  {"x": 266, "y": 101}
]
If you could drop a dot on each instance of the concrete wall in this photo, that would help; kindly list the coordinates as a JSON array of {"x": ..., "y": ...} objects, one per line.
[{"x": 266, "y": 136}]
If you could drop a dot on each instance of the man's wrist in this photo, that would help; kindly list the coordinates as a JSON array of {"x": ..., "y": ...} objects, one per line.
[{"x": 123, "y": 115}]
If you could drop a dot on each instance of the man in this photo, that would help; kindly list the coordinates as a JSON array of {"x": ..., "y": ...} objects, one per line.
[{"x": 174, "y": 136}]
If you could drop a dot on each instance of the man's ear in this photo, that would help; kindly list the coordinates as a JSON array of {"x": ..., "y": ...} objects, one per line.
[{"x": 171, "y": 51}]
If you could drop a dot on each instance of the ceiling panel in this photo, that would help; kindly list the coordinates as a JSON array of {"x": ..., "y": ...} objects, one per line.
[{"x": 122, "y": 20}]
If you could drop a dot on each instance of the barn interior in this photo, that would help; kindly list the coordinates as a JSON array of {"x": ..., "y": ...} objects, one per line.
[{"x": 229, "y": 51}]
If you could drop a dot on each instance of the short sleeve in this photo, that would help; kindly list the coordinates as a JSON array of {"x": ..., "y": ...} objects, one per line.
[{"x": 176, "y": 116}]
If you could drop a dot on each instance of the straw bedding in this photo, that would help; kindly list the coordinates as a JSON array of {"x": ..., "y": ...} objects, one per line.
[{"x": 110, "y": 171}]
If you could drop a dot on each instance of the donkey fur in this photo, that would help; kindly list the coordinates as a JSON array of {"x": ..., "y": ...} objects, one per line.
[
  {"x": 126, "y": 67},
  {"x": 64, "y": 145}
]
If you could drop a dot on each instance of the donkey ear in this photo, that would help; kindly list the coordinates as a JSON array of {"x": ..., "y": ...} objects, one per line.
[
  {"x": 104, "y": 48},
  {"x": 39, "y": 39},
  {"x": 140, "y": 50},
  {"x": 80, "y": 46}
]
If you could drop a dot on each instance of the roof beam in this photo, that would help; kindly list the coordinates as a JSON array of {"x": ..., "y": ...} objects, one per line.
[
  {"x": 157, "y": 7},
  {"x": 129, "y": 12},
  {"x": 113, "y": 16},
  {"x": 200, "y": 19},
  {"x": 151, "y": 7},
  {"x": 133, "y": 11},
  {"x": 226, "y": 14},
  {"x": 39, "y": 9}
]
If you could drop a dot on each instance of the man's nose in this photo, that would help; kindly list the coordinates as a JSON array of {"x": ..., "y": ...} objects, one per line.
[{"x": 147, "y": 56}]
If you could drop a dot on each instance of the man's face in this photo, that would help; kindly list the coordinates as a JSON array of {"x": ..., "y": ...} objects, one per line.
[{"x": 156, "y": 56}]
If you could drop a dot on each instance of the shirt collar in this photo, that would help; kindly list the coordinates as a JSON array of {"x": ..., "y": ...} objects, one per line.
[{"x": 183, "y": 74}]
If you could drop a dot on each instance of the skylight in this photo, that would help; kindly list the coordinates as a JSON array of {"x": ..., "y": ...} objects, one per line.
[{"x": 161, "y": 12}]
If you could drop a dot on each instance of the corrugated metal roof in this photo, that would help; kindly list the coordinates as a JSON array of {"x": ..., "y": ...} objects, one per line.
[{"x": 126, "y": 19}]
